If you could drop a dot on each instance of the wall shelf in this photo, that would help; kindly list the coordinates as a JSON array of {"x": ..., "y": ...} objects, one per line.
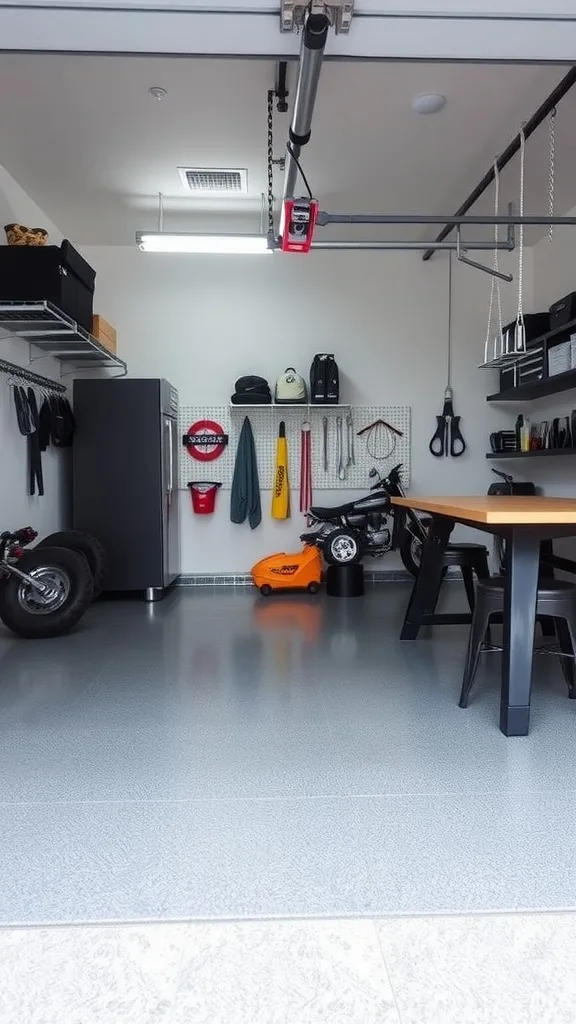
[
  {"x": 285, "y": 407},
  {"x": 538, "y": 453},
  {"x": 43, "y": 325},
  {"x": 538, "y": 389}
]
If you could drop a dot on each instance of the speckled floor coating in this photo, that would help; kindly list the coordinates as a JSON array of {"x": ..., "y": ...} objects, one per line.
[{"x": 219, "y": 755}]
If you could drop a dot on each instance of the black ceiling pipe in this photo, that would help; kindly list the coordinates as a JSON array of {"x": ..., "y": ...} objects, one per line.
[{"x": 530, "y": 127}]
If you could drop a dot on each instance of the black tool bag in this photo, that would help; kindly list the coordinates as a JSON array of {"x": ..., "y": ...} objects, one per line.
[
  {"x": 523, "y": 490},
  {"x": 324, "y": 380}
]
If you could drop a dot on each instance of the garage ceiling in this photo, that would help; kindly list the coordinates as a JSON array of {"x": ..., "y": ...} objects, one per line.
[{"x": 83, "y": 137}]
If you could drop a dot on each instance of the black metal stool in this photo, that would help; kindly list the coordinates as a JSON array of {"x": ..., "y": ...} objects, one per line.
[
  {"x": 470, "y": 559},
  {"x": 556, "y": 600}
]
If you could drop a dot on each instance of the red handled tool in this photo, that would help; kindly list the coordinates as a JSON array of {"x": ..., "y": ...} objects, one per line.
[{"x": 305, "y": 469}]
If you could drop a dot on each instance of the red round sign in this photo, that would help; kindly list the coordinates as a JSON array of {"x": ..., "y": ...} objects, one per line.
[{"x": 205, "y": 440}]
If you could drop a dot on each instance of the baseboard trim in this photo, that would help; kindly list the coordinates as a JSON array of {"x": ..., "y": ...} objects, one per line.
[{"x": 245, "y": 580}]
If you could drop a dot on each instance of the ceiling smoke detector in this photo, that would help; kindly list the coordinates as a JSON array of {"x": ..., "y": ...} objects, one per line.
[
  {"x": 214, "y": 181},
  {"x": 428, "y": 103}
]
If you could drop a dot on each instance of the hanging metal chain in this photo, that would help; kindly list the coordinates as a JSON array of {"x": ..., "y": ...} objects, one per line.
[
  {"x": 551, "y": 168},
  {"x": 520, "y": 334},
  {"x": 270, "y": 161}
]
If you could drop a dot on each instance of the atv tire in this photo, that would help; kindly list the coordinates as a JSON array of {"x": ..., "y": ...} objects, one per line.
[
  {"x": 30, "y": 615},
  {"x": 94, "y": 552},
  {"x": 342, "y": 547}
]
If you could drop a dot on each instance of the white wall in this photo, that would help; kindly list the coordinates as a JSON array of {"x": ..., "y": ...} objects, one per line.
[
  {"x": 50, "y": 512},
  {"x": 202, "y": 322}
]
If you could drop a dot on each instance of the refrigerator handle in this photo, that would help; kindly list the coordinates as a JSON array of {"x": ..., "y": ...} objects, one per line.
[
  {"x": 168, "y": 454},
  {"x": 171, "y": 455}
]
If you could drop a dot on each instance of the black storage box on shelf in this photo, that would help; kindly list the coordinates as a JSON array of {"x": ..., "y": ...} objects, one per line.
[
  {"x": 56, "y": 274},
  {"x": 563, "y": 311}
]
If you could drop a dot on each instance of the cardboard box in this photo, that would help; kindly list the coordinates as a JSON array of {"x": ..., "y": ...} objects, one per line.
[{"x": 104, "y": 333}]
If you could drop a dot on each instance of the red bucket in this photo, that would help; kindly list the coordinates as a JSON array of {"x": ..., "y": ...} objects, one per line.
[{"x": 203, "y": 496}]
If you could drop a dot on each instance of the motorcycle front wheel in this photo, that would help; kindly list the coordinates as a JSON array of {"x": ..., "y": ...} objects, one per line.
[
  {"x": 342, "y": 547},
  {"x": 69, "y": 589}
]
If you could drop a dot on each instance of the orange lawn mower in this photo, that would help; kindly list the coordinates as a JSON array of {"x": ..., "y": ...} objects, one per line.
[{"x": 300, "y": 571}]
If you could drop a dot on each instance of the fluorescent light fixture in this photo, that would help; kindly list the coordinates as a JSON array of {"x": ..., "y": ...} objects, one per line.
[{"x": 188, "y": 241}]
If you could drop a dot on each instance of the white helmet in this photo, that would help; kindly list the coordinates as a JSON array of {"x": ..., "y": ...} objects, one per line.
[{"x": 290, "y": 388}]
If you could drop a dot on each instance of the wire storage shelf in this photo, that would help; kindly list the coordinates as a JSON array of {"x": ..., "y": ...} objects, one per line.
[
  {"x": 298, "y": 406},
  {"x": 24, "y": 375},
  {"x": 43, "y": 325}
]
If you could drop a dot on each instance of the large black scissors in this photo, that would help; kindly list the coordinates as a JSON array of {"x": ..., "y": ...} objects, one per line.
[{"x": 448, "y": 438}]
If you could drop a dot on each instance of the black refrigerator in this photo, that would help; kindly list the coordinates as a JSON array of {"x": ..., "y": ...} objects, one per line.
[{"x": 125, "y": 479}]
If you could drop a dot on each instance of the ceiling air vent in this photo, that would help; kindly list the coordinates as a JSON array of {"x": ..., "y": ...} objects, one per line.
[{"x": 214, "y": 181}]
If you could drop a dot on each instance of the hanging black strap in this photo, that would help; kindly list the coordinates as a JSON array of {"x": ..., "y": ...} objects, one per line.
[
  {"x": 35, "y": 475},
  {"x": 44, "y": 425},
  {"x": 23, "y": 414}
]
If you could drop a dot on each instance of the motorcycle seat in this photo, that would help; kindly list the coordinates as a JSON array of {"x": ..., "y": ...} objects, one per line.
[{"x": 333, "y": 512}]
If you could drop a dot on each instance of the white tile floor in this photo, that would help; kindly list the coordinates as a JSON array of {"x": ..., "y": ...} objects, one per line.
[{"x": 500, "y": 969}]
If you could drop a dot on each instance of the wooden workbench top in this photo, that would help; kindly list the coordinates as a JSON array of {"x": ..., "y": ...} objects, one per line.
[{"x": 497, "y": 510}]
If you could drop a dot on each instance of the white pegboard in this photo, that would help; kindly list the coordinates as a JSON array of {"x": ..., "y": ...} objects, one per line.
[{"x": 265, "y": 420}]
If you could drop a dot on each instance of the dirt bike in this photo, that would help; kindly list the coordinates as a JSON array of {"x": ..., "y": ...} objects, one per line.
[
  {"x": 43, "y": 592},
  {"x": 369, "y": 526}
]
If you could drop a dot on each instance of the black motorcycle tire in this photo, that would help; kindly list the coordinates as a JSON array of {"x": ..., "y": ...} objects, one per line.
[
  {"x": 69, "y": 572},
  {"x": 411, "y": 550},
  {"x": 332, "y": 538},
  {"x": 94, "y": 552}
]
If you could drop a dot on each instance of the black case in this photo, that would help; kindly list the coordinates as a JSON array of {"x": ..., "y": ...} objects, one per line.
[
  {"x": 562, "y": 311},
  {"x": 56, "y": 274},
  {"x": 324, "y": 380}
]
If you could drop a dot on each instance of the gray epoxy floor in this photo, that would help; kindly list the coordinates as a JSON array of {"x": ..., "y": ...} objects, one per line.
[{"x": 219, "y": 756}]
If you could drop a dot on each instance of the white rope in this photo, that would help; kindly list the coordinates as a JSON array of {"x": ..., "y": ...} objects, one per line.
[
  {"x": 449, "y": 360},
  {"x": 520, "y": 333},
  {"x": 495, "y": 282},
  {"x": 551, "y": 169}
]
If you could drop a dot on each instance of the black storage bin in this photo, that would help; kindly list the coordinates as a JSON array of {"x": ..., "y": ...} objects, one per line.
[
  {"x": 56, "y": 274},
  {"x": 563, "y": 311}
]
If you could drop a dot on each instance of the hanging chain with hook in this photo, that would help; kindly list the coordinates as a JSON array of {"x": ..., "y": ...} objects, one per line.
[
  {"x": 551, "y": 168},
  {"x": 270, "y": 161}
]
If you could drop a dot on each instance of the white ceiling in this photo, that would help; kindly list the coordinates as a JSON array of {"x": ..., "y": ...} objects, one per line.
[
  {"x": 84, "y": 138},
  {"x": 424, "y": 29}
]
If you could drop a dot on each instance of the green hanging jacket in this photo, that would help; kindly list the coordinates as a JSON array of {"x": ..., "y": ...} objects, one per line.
[{"x": 245, "y": 494}]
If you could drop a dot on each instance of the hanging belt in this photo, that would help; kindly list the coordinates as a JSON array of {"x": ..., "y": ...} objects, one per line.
[
  {"x": 35, "y": 475},
  {"x": 23, "y": 416}
]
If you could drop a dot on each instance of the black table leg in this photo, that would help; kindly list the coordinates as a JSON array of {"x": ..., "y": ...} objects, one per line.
[
  {"x": 519, "y": 619},
  {"x": 546, "y": 573},
  {"x": 427, "y": 583}
]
